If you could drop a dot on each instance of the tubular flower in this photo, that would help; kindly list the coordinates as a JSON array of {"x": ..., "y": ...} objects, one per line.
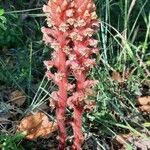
[{"x": 71, "y": 24}]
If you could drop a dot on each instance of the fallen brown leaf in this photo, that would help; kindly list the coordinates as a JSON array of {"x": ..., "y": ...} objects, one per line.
[
  {"x": 122, "y": 138},
  {"x": 145, "y": 108},
  {"x": 116, "y": 76},
  {"x": 144, "y": 100},
  {"x": 136, "y": 140},
  {"x": 121, "y": 77},
  {"x": 17, "y": 97},
  {"x": 37, "y": 125}
]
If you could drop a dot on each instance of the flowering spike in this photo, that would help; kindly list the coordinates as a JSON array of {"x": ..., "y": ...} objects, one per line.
[{"x": 71, "y": 24}]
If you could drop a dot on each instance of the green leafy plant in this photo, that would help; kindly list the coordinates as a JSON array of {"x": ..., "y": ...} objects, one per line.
[
  {"x": 2, "y": 20},
  {"x": 11, "y": 142}
]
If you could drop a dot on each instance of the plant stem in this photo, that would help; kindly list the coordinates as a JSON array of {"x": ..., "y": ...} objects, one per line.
[
  {"x": 78, "y": 113},
  {"x": 60, "y": 110}
]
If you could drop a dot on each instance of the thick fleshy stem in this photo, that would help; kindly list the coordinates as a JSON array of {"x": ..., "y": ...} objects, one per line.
[
  {"x": 59, "y": 98},
  {"x": 78, "y": 114},
  {"x": 60, "y": 109},
  {"x": 77, "y": 128}
]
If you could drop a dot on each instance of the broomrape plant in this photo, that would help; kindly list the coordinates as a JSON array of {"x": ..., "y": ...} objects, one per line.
[{"x": 70, "y": 26}]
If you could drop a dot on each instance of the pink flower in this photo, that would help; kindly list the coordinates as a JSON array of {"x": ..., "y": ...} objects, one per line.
[{"x": 71, "y": 24}]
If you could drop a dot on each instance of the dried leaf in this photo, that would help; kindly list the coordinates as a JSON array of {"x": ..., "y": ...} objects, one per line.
[
  {"x": 136, "y": 140},
  {"x": 121, "y": 77},
  {"x": 145, "y": 108},
  {"x": 116, "y": 76},
  {"x": 37, "y": 125},
  {"x": 122, "y": 138},
  {"x": 17, "y": 97},
  {"x": 144, "y": 100}
]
